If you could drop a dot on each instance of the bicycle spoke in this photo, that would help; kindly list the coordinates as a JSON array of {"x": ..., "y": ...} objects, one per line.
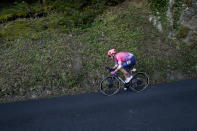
[
  {"x": 140, "y": 82},
  {"x": 109, "y": 86}
]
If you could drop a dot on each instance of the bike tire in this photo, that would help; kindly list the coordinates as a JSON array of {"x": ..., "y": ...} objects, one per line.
[
  {"x": 139, "y": 82},
  {"x": 109, "y": 86}
]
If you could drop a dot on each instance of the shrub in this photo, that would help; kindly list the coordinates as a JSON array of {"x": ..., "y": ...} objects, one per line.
[
  {"x": 188, "y": 3},
  {"x": 158, "y": 5},
  {"x": 114, "y": 2},
  {"x": 4, "y": 18},
  {"x": 183, "y": 32}
]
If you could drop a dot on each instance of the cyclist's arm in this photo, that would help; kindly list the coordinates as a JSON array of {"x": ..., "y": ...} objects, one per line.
[
  {"x": 119, "y": 66},
  {"x": 116, "y": 65}
]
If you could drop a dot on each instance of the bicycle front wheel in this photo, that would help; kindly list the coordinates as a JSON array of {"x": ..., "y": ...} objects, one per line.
[
  {"x": 139, "y": 82},
  {"x": 109, "y": 86}
]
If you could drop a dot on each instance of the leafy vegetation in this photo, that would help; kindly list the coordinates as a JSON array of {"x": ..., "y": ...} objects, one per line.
[
  {"x": 158, "y": 5},
  {"x": 80, "y": 11},
  {"x": 65, "y": 51},
  {"x": 183, "y": 32}
]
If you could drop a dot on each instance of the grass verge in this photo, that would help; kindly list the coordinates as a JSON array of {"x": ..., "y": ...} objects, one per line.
[{"x": 40, "y": 58}]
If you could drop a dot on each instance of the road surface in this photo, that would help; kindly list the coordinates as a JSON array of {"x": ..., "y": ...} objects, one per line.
[{"x": 163, "y": 107}]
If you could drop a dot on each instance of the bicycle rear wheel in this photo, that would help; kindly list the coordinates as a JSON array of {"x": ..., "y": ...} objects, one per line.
[
  {"x": 139, "y": 82},
  {"x": 109, "y": 86}
]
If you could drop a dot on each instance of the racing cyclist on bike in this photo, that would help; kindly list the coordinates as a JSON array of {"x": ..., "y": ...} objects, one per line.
[{"x": 124, "y": 61}]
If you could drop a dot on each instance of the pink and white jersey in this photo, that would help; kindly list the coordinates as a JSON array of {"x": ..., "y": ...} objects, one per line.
[{"x": 122, "y": 57}]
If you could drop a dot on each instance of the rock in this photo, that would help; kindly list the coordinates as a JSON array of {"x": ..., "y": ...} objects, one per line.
[
  {"x": 156, "y": 22},
  {"x": 189, "y": 19},
  {"x": 47, "y": 92},
  {"x": 150, "y": 18},
  {"x": 175, "y": 75},
  {"x": 33, "y": 95},
  {"x": 189, "y": 16},
  {"x": 169, "y": 12},
  {"x": 172, "y": 35},
  {"x": 180, "y": 76},
  {"x": 196, "y": 68},
  {"x": 191, "y": 38},
  {"x": 187, "y": 39},
  {"x": 156, "y": 76}
]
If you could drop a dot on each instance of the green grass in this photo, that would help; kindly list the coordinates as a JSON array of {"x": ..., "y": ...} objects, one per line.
[
  {"x": 18, "y": 10},
  {"x": 45, "y": 54}
]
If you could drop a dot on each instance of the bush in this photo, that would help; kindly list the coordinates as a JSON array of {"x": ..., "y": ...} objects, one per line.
[
  {"x": 158, "y": 5},
  {"x": 4, "y": 18},
  {"x": 188, "y": 3},
  {"x": 114, "y": 2},
  {"x": 183, "y": 32}
]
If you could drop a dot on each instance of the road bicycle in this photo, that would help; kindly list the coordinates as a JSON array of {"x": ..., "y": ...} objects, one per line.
[{"x": 110, "y": 85}]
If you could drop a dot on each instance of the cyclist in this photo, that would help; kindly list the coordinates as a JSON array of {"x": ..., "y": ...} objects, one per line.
[{"x": 124, "y": 61}]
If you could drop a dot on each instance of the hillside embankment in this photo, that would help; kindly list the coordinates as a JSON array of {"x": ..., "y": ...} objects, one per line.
[{"x": 65, "y": 52}]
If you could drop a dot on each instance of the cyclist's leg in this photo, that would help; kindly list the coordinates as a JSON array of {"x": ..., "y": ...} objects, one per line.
[
  {"x": 125, "y": 71},
  {"x": 127, "y": 66},
  {"x": 132, "y": 64},
  {"x": 126, "y": 74}
]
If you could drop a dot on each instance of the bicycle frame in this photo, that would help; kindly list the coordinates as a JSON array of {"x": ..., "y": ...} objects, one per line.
[
  {"x": 118, "y": 77},
  {"x": 125, "y": 84},
  {"x": 121, "y": 79}
]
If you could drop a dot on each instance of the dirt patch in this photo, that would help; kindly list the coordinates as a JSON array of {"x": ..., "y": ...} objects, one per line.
[
  {"x": 175, "y": 75},
  {"x": 77, "y": 62}
]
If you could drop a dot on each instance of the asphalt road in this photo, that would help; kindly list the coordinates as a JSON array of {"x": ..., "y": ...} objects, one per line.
[{"x": 163, "y": 107}]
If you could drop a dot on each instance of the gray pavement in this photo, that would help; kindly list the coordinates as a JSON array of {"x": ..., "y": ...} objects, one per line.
[{"x": 163, "y": 107}]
